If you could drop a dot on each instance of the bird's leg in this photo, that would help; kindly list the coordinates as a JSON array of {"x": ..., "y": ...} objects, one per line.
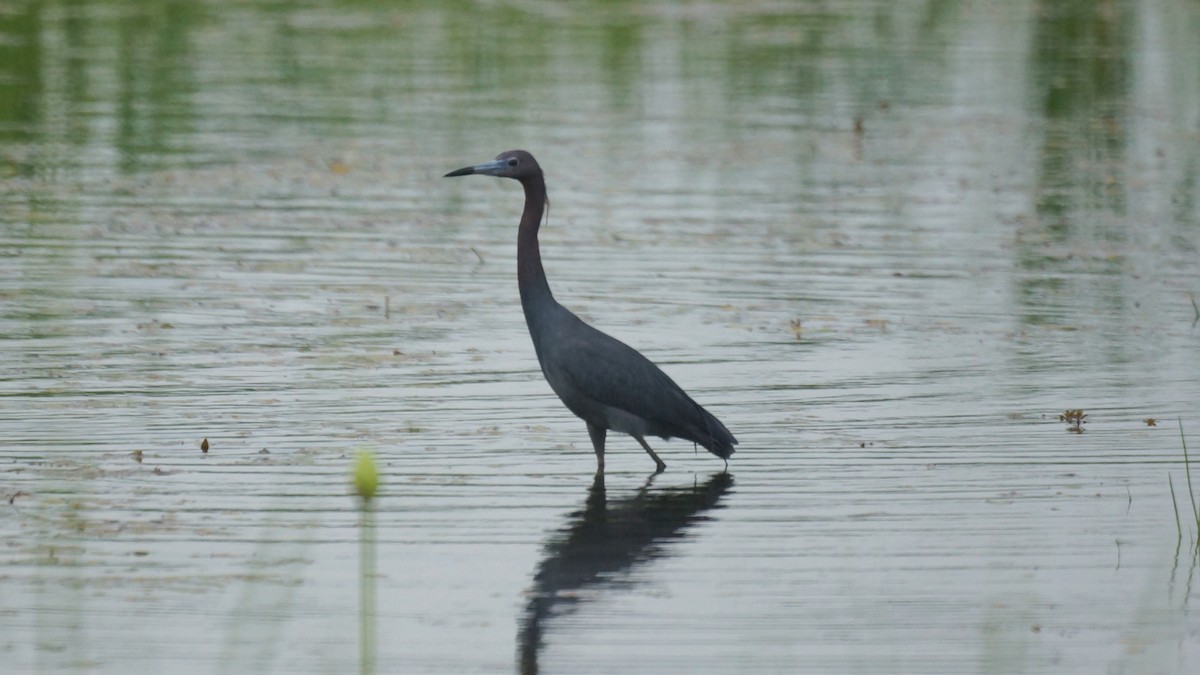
[
  {"x": 662, "y": 466},
  {"x": 597, "y": 434}
]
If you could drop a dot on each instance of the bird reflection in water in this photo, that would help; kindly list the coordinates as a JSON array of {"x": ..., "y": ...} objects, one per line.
[{"x": 603, "y": 541}]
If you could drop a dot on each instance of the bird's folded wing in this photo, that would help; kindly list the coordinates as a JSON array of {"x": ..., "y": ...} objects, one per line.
[{"x": 610, "y": 372}]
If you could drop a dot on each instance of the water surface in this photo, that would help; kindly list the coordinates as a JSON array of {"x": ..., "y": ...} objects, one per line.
[{"x": 887, "y": 244}]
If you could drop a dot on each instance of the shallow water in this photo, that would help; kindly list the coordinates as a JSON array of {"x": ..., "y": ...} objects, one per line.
[{"x": 887, "y": 244}]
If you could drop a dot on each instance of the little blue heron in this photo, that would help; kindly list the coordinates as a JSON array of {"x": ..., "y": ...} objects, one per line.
[{"x": 605, "y": 382}]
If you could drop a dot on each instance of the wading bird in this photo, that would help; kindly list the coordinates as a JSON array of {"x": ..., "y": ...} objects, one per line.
[{"x": 605, "y": 382}]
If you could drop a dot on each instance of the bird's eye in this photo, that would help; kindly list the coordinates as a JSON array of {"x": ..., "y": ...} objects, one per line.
[{"x": 512, "y": 161}]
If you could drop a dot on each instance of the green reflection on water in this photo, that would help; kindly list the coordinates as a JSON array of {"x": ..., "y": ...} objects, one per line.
[
  {"x": 21, "y": 86},
  {"x": 155, "y": 81},
  {"x": 65, "y": 69},
  {"x": 1081, "y": 63}
]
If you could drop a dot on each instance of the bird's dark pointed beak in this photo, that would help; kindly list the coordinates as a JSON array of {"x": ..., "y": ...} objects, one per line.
[{"x": 491, "y": 168}]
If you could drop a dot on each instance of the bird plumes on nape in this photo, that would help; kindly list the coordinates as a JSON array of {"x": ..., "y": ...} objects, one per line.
[{"x": 605, "y": 382}]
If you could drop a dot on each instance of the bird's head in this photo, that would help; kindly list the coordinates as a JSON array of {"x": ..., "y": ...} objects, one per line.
[{"x": 516, "y": 164}]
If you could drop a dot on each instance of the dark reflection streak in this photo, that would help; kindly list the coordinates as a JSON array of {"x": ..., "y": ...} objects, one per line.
[
  {"x": 21, "y": 68},
  {"x": 1082, "y": 89},
  {"x": 156, "y": 81},
  {"x": 79, "y": 89},
  {"x": 1082, "y": 52},
  {"x": 127, "y": 135},
  {"x": 605, "y": 540},
  {"x": 1191, "y": 575}
]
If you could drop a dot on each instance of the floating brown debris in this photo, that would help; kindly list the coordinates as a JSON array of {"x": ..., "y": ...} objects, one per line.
[
  {"x": 204, "y": 445},
  {"x": 1151, "y": 422},
  {"x": 1075, "y": 418},
  {"x": 155, "y": 325}
]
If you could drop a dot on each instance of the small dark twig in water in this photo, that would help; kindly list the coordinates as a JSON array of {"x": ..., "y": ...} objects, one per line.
[
  {"x": 387, "y": 307},
  {"x": 1195, "y": 308},
  {"x": 478, "y": 255}
]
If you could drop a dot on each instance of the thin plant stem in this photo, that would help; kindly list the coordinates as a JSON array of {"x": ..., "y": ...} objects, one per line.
[
  {"x": 1178, "y": 525},
  {"x": 1188, "y": 470},
  {"x": 366, "y": 589}
]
